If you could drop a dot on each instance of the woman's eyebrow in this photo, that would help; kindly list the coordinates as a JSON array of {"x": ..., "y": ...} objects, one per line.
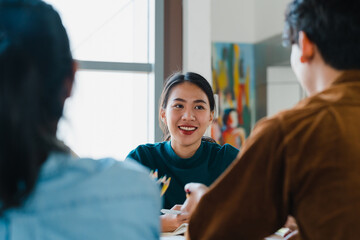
[
  {"x": 195, "y": 101},
  {"x": 200, "y": 101},
  {"x": 179, "y": 99}
]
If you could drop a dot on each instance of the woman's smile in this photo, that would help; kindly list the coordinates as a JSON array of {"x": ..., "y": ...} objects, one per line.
[{"x": 187, "y": 130}]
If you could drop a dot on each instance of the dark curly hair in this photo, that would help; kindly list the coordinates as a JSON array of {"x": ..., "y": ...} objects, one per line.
[{"x": 333, "y": 25}]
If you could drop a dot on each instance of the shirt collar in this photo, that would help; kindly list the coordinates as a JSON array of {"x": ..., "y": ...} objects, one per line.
[{"x": 348, "y": 76}]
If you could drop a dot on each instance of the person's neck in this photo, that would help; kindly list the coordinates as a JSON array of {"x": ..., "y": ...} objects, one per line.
[
  {"x": 185, "y": 151},
  {"x": 323, "y": 77}
]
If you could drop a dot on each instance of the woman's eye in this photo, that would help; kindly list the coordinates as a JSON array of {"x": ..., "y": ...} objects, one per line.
[
  {"x": 199, "y": 107},
  {"x": 178, "y": 106}
]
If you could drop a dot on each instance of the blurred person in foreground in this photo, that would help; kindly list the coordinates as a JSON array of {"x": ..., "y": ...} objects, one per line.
[
  {"x": 46, "y": 192},
  {"x": 305, "y": 161}
]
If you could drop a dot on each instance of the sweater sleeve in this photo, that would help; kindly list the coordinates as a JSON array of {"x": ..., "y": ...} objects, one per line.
[{"x": 247, "y": 201}]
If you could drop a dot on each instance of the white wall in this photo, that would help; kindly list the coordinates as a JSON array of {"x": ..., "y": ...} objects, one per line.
[
  {"x": 283, "y": 89},
  {"x": 233, "y": 21},
  {"x": 269, "y": 18},
  {"x": 197, "y": 37},
  {"x": 246, "y": 21}
]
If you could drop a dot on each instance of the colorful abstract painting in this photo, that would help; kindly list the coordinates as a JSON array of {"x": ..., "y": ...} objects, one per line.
[{"x": 233, "y": 81}]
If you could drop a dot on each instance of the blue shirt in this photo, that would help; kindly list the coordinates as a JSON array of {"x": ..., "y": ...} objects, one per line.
[
  {"x": 205, "y": 166},
  {"x": 82, "y": 199}
]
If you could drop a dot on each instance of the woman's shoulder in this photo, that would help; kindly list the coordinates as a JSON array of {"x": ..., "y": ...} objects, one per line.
[
  {"x": 151, "y": 146},
  {"x": 221, "y": 153},
  {"x": 217, "y": 147},
  {"x": 229, "y": 147},
  {"x": 147, "y": 150}
]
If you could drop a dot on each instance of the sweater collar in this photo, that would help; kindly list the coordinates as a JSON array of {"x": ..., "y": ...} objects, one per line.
[{"x": 179, "y": 162}]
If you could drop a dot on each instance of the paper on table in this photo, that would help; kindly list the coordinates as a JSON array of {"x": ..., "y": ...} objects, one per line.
[
  {"x": 281, "y": 232},
  {"x": 279, "y": 235},
  {"x": 170, "y": 211},
  {"x": 180, "y": 230}
]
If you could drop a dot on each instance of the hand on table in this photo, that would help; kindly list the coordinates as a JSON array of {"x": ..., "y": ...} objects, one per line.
[
  {"x": 293, "y": 229},
  {"x": 170, "y": 222},
  {"x": 291, "y": 235},
  {"x": 194, "y": 192}
]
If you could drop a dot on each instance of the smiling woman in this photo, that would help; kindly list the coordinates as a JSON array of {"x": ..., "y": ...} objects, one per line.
[
  {"x": 186, "y": 111},
  {"x": 187, "y": 117}
]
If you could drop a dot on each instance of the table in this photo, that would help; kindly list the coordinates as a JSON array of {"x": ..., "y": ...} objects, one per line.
[{"x": 179, "y": 237}]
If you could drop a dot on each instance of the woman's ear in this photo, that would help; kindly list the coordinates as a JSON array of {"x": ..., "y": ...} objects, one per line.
[
  {"x": 212, "y": 116},
  {"x": 307, "y": 47},
  {"x": 163, "y": 116}
]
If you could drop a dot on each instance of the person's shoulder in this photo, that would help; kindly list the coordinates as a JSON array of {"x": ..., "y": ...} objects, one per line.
[
  {"x": 87, "y": 179},
  {"x": 106, "y": 188},
  {"x": 296, "y": 121},
  {"x": 227, "y": 148},
  {"x": 146, "y": 150},
  {"x": 132, "y": 179},
  {"x": 133, "y": 173},
  {"x": 116, "y": 168},
  {"x": 129, "y": 166},
  {"x": 212, "y": 146},
  {"x": 301, "y": 116},
  {"x": 61, "y": 163},
  {"x": 219, "y": 156},
  {"x": 149, "y": 147},
  {"x": 215, "y": 145}
]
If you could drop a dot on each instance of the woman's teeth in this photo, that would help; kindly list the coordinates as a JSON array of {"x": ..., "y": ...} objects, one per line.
[{"x": 187, "y": 128}]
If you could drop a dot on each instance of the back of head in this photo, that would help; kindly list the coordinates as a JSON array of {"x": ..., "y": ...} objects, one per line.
[
  {"x": 333, "y": 25},
  {"x": 35, "y": 60}
]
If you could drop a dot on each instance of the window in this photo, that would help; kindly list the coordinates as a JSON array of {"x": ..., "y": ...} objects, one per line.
[{"x": 113, "y": 107}]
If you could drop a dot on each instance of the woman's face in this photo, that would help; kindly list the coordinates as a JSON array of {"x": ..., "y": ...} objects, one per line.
[{"x": 187, "y": 114}]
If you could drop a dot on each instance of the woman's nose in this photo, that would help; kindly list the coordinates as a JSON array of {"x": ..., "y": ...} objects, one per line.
[{"x": 188, "y": 115}]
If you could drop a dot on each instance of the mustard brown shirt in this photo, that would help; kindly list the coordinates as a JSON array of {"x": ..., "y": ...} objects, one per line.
[{"x": 304, "y": 162}]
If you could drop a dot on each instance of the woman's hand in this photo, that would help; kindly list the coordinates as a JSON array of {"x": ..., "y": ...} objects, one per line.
[
  {"x": 293, "y": 233},
  {"x": 170, "y": 222},
  {"x": 194, "y": 192}
]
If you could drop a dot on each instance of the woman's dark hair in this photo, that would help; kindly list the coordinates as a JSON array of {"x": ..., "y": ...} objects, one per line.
[
  {"x": 333, "y": 25},
  {"x": 176, "y": 79},
  {"x": 35, "y": 60}
]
